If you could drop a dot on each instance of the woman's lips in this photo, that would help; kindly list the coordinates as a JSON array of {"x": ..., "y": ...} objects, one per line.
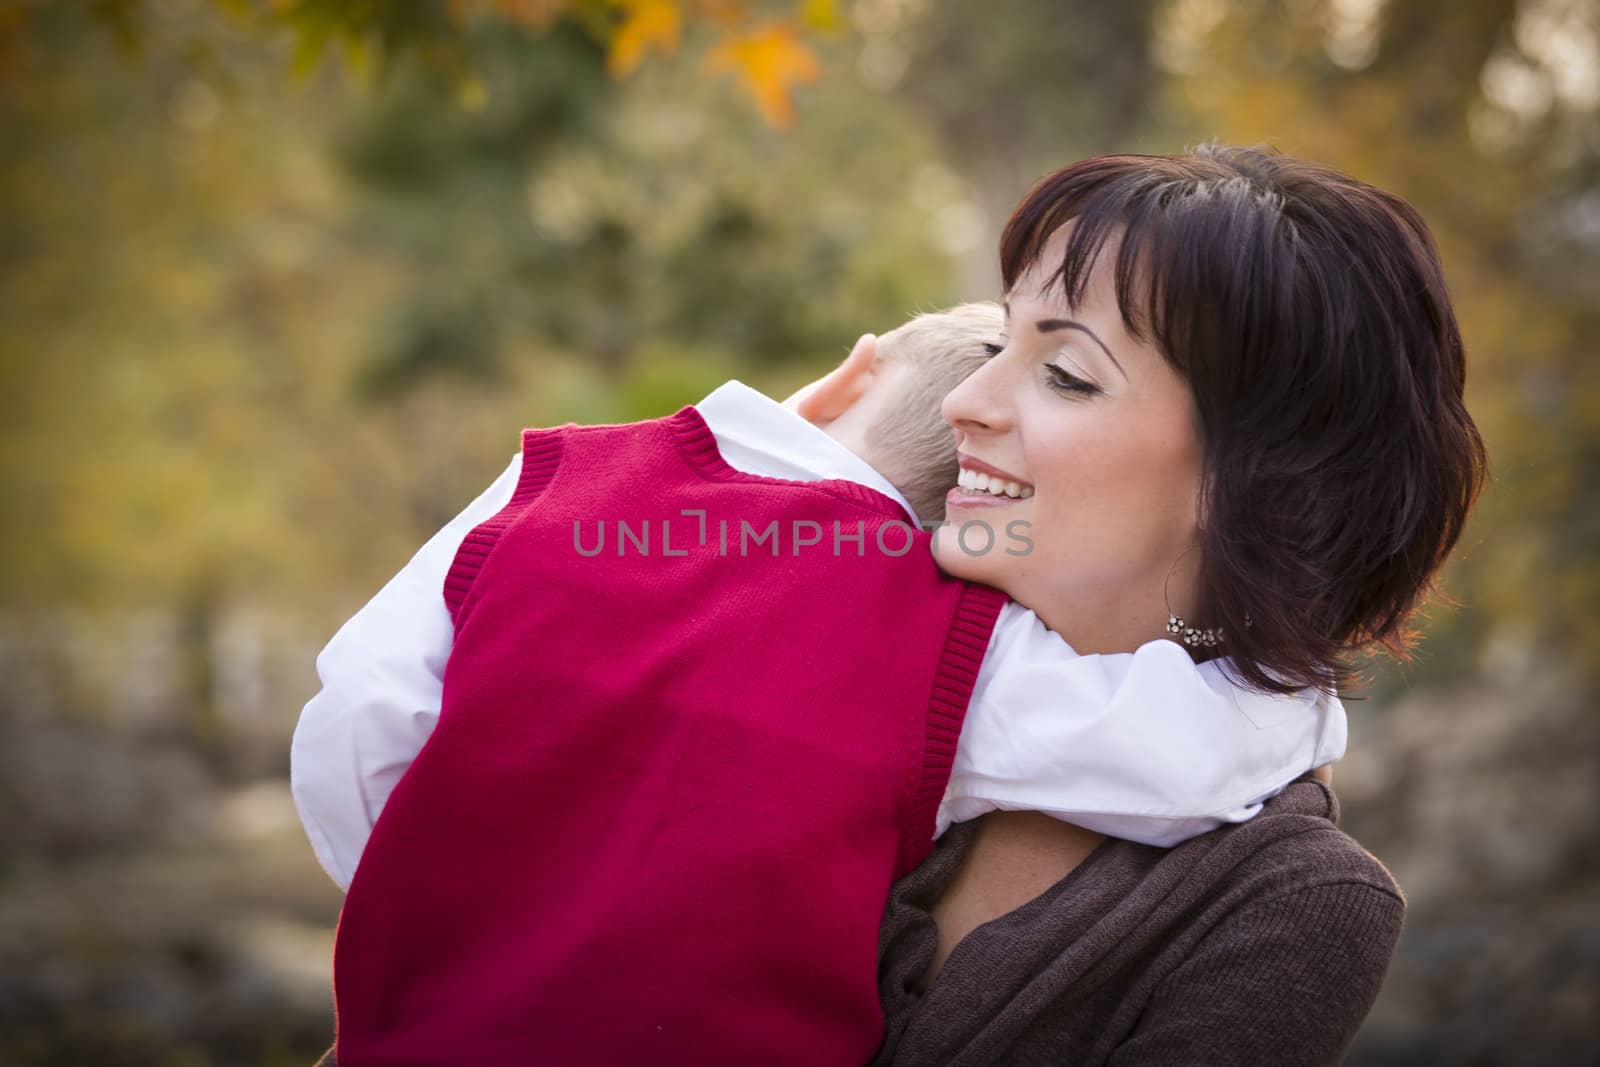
[
  {"x": 975, "y": 498},
  {"x": 980, "y": 485},
  {"x": 978, "y": 466},
  {"x": 980, "y": 491}
]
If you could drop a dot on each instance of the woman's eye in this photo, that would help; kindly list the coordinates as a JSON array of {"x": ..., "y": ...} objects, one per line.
[
  {"x": 993, "y": 348},
  {"x": 1063, "y": 382}
]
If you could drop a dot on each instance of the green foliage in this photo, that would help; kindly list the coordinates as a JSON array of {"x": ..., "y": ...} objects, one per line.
[
  {"x": 385, "y": 279},
  {"x": 603, "y": 218},
  {"x": 238, "y": 324}
]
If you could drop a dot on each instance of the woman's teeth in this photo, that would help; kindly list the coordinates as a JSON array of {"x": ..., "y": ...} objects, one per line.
[{"x": 983, "y": 483}]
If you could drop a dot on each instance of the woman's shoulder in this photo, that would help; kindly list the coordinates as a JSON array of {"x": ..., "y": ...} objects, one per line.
[
  {"x": 1296, "y": 842},
  {"x": 1296, "y": 921}
]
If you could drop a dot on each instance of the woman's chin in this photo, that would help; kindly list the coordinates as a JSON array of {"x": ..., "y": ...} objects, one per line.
[{"x": 958, "y": 546}]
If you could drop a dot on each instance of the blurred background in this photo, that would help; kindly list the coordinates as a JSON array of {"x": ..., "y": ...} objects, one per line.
[{"x": 280, "y": 282}]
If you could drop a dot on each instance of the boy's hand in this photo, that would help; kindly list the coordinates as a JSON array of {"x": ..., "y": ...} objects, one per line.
[{"x": 1324, "y": 774}]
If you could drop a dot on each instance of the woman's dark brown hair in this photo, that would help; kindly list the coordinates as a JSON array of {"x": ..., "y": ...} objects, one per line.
[{"x": 1308, "y": 313}]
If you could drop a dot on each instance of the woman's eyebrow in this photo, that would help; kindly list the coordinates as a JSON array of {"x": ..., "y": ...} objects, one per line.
[{"x": 1051, "y": 325}]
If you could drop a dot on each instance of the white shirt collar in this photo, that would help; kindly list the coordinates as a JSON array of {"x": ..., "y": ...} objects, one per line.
[{"x": 757, "y": 434}]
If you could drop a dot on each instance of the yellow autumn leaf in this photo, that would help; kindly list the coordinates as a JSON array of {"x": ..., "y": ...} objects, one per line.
[
  {"x": 768, "y": 63},
  {"x": 647, "y": 24}
]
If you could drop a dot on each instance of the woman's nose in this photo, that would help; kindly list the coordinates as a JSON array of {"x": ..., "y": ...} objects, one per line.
[{"x": 977, "y": 404}]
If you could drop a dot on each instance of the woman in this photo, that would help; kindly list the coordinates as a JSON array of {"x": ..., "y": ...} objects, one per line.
[{"x": 1234, "y": 381}]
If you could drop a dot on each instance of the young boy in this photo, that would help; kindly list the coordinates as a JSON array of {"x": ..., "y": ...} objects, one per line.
[{"x": 659, "y": 781}]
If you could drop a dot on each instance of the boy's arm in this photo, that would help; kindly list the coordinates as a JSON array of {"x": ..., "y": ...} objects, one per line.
[
  {"x": 1147, "y": 746},
  {"x": 382, "y": 677}
]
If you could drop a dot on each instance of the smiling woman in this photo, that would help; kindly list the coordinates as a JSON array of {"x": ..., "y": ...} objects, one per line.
[
  {"x": 1229, "y": 388},
  {"x": 1110, "y": 449},
  {"x": 1210, "y": 365}
]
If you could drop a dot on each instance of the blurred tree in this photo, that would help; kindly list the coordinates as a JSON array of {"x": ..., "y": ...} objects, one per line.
[
  {"x": 237, "y": 324},
  {"x": 473, "y": 101},
  {"x": 165, "y": 438},
  {"x": 614, "y": 220},
  {"x": 1013, "y": 89},
  {"x": 760, "y": 44},
  {"x": 1019, "y": 88},
  {"x": 185, "y": 276}
]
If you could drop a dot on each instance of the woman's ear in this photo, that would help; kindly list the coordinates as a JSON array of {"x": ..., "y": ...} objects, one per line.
[{"x": 832, "y": 395}]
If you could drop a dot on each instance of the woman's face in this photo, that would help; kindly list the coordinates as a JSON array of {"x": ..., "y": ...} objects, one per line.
[{"x": 1100, "y": 435}]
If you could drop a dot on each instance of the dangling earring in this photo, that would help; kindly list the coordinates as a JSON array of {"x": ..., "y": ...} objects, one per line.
[{"x": 1191, "y": 636}]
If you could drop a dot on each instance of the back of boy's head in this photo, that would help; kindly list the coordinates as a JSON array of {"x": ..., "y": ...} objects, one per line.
[{"x": 911, "y": 444}]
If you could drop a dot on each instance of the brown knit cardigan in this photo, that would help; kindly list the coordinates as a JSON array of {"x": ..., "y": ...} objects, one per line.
[{"x": 1261, "y": 943}]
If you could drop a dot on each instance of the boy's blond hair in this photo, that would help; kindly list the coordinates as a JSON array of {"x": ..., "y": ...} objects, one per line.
[{"x": 912, "y": 444}]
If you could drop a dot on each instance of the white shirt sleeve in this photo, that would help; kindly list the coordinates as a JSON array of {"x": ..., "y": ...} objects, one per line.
[
  {"x": 382, "y": 679},
  {"x": 1147, "y": 745}
]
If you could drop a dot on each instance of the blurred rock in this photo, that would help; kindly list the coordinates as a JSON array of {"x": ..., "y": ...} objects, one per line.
[
  {"x": 69, "y": 790},
  {"x": 149, "y": 914},
  {"x": 1482, "y": 801}
]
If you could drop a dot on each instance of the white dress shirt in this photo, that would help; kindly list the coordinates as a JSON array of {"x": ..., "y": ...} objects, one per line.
[{"x": 1144, "y": 745}]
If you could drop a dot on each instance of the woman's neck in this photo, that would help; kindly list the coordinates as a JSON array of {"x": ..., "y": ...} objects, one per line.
[
  {"x": 1110, "y": 619},
  {"x": 1107, "y": 630}
]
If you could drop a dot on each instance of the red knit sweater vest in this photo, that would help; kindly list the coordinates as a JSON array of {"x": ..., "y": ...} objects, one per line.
[{"x": 675, "y": 772}]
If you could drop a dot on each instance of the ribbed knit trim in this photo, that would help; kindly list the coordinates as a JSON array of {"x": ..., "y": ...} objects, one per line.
[
  {"x": 964, "y": 646},
  {"x": 957, "y": 672},
  {"x": 541, "y": 455},
  {"x": 699, "y": 447}
]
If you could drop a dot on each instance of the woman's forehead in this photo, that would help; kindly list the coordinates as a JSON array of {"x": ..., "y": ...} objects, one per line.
[
  {"x": 1042, "y": 280},
  {"x": 1039, "y": 295}
]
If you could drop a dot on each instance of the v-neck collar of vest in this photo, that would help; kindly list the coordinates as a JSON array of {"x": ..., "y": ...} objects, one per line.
[{"x": 699, "y": 447}]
